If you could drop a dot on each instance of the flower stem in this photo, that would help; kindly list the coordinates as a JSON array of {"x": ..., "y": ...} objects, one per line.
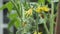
[
  {"x": 36, "y": 27},
  {"x": 46, "y": 28}
]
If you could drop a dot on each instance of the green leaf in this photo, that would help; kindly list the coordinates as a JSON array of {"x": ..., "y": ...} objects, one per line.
[
  {"x": 3, "y": 7},
  {"x": 11, "y": 23},
  {"x": 12, "y": 15},
  {"x": 8, "y": 5},
  {"x": 14, "y": 22},
  {"x": 17, "y": 23},
  {"x": 41, "y": 21},
  {"x": 41, "y": 1},
  {"x": 49, "y": 1}
]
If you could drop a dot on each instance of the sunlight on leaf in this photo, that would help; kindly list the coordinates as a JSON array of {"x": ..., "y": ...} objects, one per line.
[
  {"x": 17, "y": 23},
  {"x": 49, "y": 1},
  {"x": 8, "y": 5}
]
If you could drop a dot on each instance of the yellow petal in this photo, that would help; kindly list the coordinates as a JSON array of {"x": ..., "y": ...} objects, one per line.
[
  {"x": 29, "y": 12},
  {"x": 45, "y": 9},
  {"x": 38, "y": 10},
  {"x": 39, "y": 32},
  {"x": 35, "y": 32}
]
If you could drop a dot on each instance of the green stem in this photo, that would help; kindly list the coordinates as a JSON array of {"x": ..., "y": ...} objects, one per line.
[
  {"x": 36, "y": 26},
  {"x": 16, "y": 8},
  {"x": 45, "y": 26},
  {"x": 51, "y": 17}
]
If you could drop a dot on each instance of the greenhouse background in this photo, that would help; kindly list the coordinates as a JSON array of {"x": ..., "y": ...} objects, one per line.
[{"x": 4, "y": 20}]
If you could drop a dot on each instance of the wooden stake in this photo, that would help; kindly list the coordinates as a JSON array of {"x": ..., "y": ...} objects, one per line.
[{"x": 57, "y": 28}]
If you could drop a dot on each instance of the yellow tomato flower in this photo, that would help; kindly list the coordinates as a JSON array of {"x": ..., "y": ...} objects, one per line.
[
  {"x": 38, "y": 10},
  {"x": 38, "y": 32},
  {"x": 29, "y": 12},
  {"x": 45, "y": 8},
  {"x": 42, "y": 8}
]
